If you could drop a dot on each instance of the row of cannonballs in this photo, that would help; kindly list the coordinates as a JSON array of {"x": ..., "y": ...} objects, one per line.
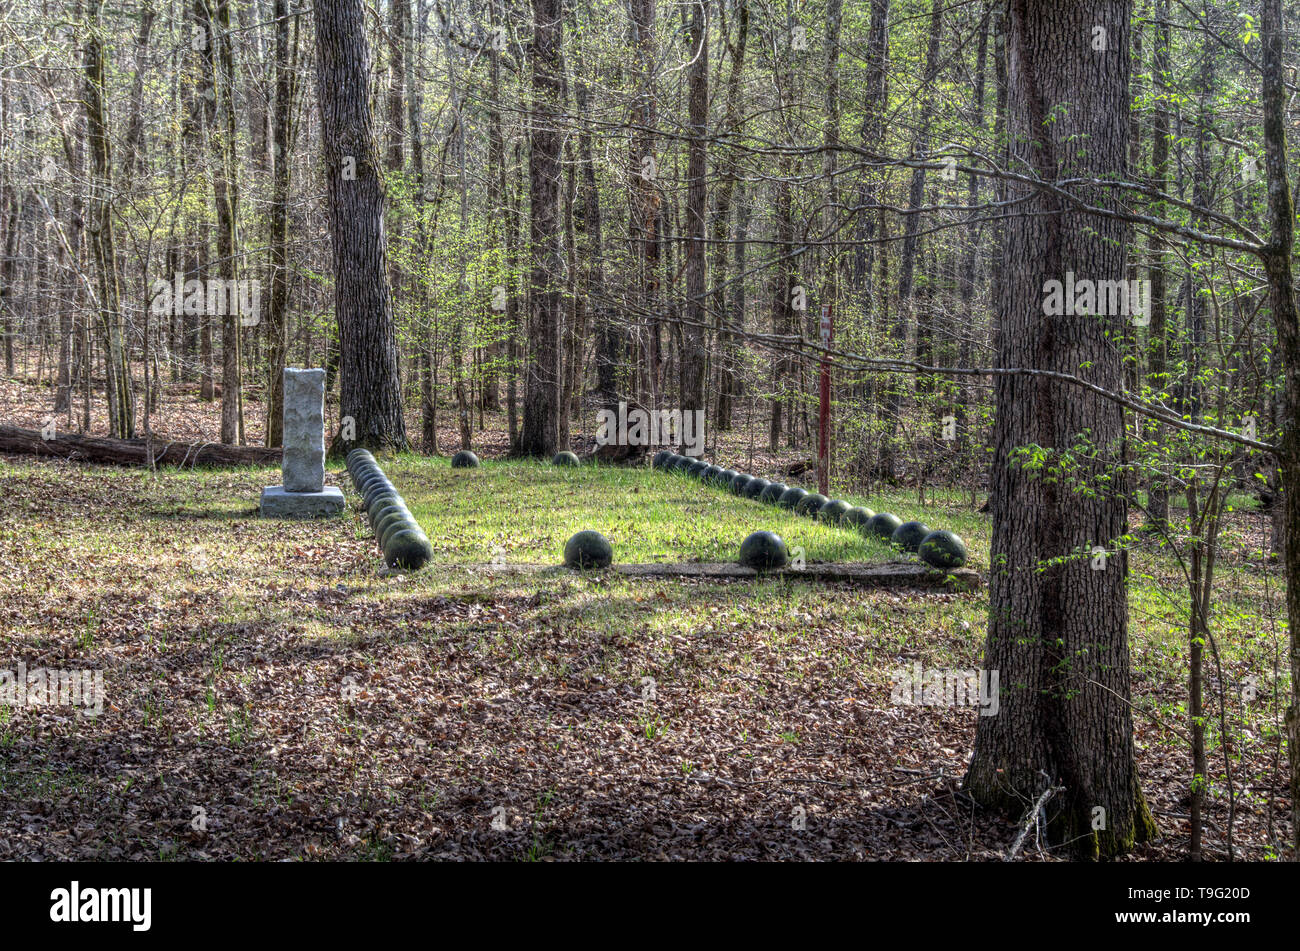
[
  {"x": 400, "y": 537},
  {"x": 939, "y": 549}
]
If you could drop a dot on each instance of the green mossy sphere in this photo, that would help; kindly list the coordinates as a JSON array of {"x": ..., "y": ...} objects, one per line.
[
  {"x": 588, "y": 549},
  {"x": 859, "y": 516},
  {"x": 710, "y": 475},
  {"x": 791, "y": 497},
  {"x": 763, "y": 551},
  {"x": 682, "y": 464},
  {"x": 697, "y": 468},
  {"x": 661, "y": 459},
  {"x": 908, "y": 536},
  {"x": 833, "y": 512},
  {"x": 772, "y": 492},
  {"x": 723, "y": 478},
  {"x": 383, "y": 501},
  {"x": 363, "y": 479},
  {"x": 376, "y": 492},
  {"x": 464, "y": 460},
  {"x": 386, "y": 523},
  {"x": 565, "y": 458},
  {"x": 408, "y": 549},
  {"x": 381, "y": 510},
  {"x": 810, "y": 504},
  {"x": 375, "y": 488},
  {"x": 393, "y": 526},
  {"x": 755, "y": 488},
  {"x": 740, "y": 483},
  {"x": 882, "y": 525},
  {"x": 943, "y": 549}
]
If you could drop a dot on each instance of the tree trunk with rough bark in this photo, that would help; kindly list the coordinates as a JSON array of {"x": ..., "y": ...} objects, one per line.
[
  {"x": 694, "y": 356},
  {"x": 283, "y": 133},
  {"x": 370, "y": 405},
  {"x": 1058, "y": 614},
  {"x": 540, "y": 430}
]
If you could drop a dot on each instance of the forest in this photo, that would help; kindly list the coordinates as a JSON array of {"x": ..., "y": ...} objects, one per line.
[{"x": 1022, "y": 269}]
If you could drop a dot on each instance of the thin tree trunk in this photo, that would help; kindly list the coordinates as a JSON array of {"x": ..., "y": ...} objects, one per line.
[
  {"x": 284, "y": 135},
  {"x": 694, "y": 354},
  {"x": 121, "y": 415},
  {"x": 540, "y": 431},
  {"x": 1282, "y": 302},
  {"x": 729, "y": 328}
]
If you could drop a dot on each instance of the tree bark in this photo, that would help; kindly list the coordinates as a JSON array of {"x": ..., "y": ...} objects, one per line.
[
  {"x": 694, "y": 356},
  {"x": 1282, "y": 302},
  {"x": 219, "y": 75},
  {"x": 284, "y": 135},
  {"x": 370, "y": 405},
  {"x": 121, "y": 414},
  {"x": 729, "y": 321},
  {"x": 1058, "y": 627},
  {"x": 539, "y": 433}
]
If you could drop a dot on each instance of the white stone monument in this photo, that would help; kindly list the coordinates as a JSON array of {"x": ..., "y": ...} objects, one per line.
[{"x": 304, "y": 493}]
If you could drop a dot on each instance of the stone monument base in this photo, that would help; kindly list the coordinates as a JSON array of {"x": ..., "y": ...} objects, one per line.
[{"x": 278, "y": 503}]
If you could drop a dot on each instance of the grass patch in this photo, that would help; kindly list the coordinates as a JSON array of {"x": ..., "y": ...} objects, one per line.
[{"x": 524, "y": 512}]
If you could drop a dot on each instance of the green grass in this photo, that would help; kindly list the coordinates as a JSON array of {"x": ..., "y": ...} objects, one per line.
[{"x": 524, "y": 512}]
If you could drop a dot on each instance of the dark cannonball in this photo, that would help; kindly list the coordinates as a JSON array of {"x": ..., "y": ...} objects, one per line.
[
  {"x": 908, "y": 536},
  {"x": 791, "y": 497},
  {"x": 408, "y": 549},
  {"x": 588, "y": 549},
  {"x": 763, "y": 551}
]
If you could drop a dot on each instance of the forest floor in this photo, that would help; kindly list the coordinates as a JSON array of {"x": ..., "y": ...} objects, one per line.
[{"x": 272, "y": 692}]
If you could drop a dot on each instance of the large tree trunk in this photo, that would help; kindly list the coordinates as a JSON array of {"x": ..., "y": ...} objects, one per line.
[
  {"x": 1058, "y": 627},
  {"x": 371, "y": 393},
  {"x": 540, "y": 430}
]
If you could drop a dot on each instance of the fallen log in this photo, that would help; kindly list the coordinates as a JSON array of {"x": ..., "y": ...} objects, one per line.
[{"x": 134, "y": 452}]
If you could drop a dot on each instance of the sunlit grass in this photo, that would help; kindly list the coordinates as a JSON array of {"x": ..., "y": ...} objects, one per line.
[{"x": 524, "y": 512}]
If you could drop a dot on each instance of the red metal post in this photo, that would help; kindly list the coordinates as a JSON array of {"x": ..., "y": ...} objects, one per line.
[{"x": 824, "y": 415}]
